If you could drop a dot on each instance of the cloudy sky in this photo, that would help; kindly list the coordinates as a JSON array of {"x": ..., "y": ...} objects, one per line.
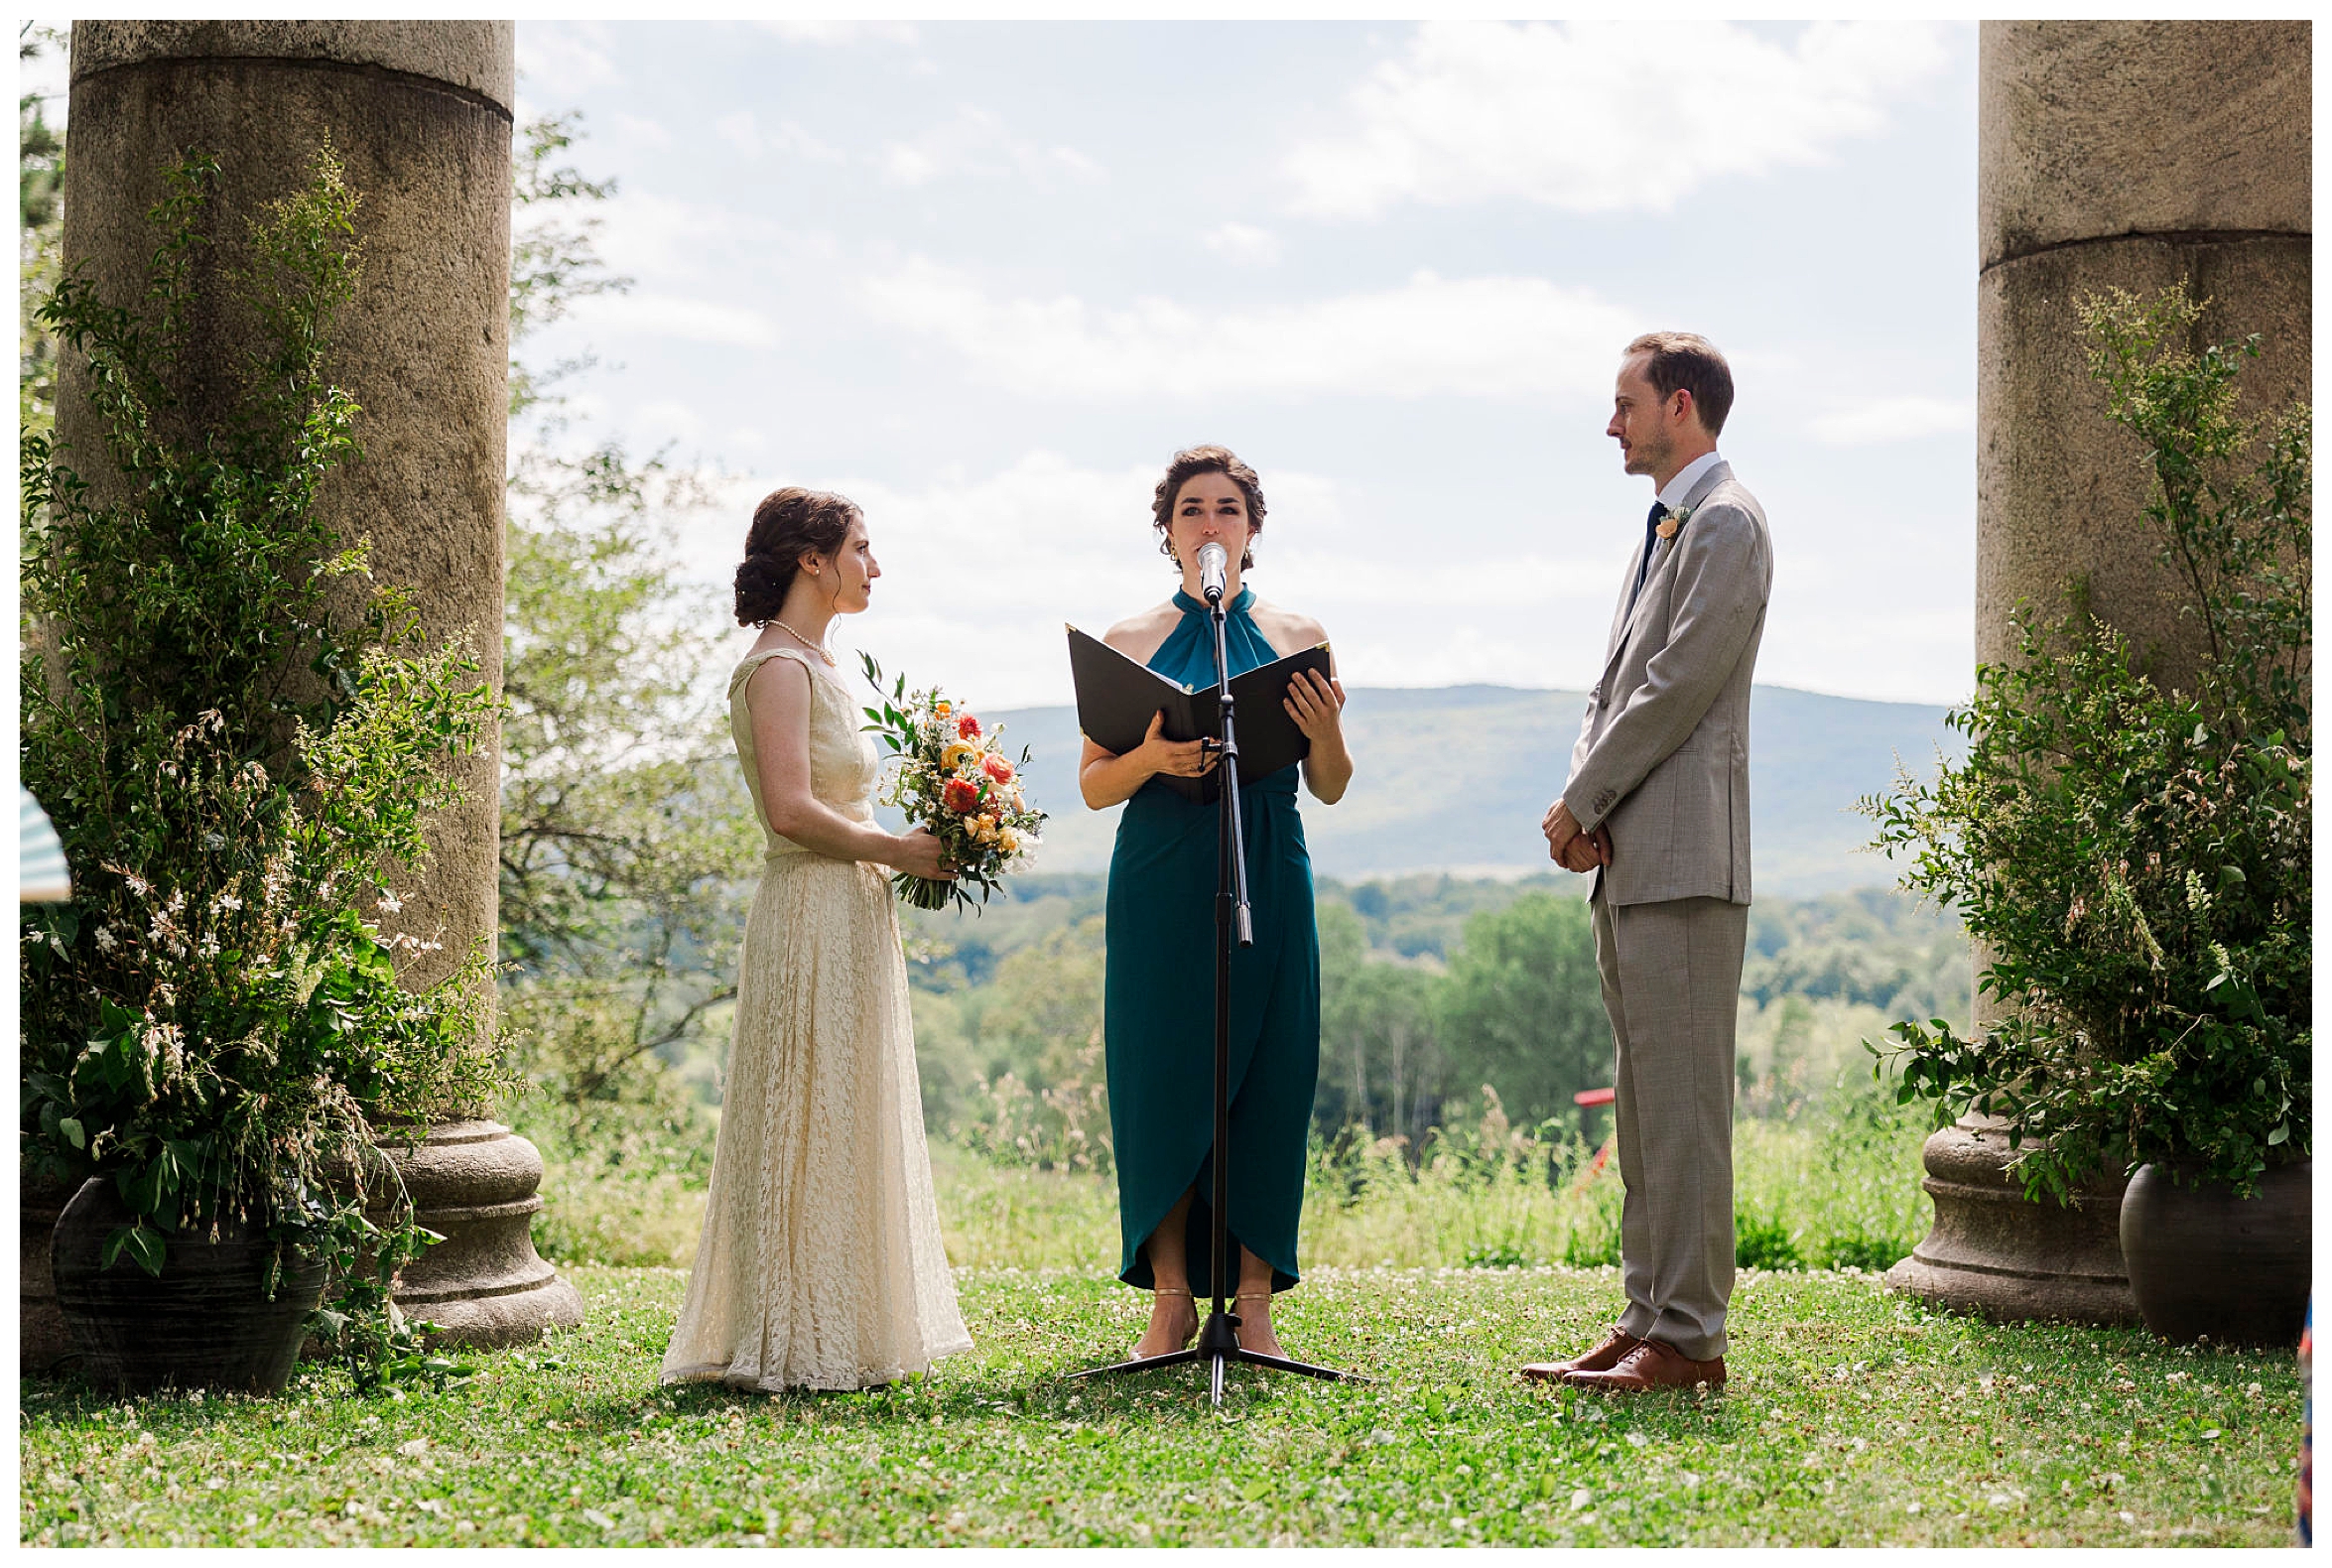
[{"x": 985, "y": 278}]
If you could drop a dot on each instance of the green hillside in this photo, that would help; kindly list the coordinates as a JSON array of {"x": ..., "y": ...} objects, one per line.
[{"x": 1456, "y": 778}]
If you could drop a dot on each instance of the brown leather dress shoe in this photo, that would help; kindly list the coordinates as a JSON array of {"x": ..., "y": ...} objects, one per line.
[
  {"x": 1651, "y": 1364},
  {"x": 1603, "y": 1357}
]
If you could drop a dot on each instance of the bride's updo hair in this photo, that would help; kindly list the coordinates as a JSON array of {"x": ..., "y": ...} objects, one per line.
[
  {"x": 1188, "y": 464},
  {"x": 787, "y": 525}
]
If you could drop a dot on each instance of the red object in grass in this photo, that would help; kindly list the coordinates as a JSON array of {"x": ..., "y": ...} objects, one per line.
[{"x": 1593, "y": 1096}]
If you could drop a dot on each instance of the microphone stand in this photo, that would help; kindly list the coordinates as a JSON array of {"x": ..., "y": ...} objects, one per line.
[{"x": 1217, "y": 1342}]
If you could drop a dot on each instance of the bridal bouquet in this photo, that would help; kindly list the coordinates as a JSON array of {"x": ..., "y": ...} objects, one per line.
[{"x": 950, "y": 777}]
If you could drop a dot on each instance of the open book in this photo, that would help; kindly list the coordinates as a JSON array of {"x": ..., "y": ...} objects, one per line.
[{"x": 1116, "y": 698}]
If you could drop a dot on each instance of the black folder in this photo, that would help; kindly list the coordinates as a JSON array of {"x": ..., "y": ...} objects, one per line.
[{"x": 1116, "y": 698}]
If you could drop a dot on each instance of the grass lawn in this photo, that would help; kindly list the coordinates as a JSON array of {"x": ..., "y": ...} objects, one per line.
[{"x": 1853, "y": 1417}]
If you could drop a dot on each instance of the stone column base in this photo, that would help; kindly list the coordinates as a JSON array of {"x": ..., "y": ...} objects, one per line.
[
  {"x": 1995, "y": 1252},
  {"x": 473, "y": 1183}
]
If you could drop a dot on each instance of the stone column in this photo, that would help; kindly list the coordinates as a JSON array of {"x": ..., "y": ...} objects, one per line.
[
  {"x": 420, "y": 115},
  {"x": 2127, "y": 154}
]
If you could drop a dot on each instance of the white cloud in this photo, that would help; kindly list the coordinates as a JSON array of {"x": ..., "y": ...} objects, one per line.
[
  {"x": 676, "y": 243},
  {"x": 1243, "y": 243},
  {"x": 1604, "y": 117},
  {"x": 977, "y": 144},
  {"x": 574, "y": 55},
  {"x": 672, "y": 315},
  {"x": 743, "y": 131},
  {"x": 666, "y": 417},
  {"x": 1893, "y": 419},
  {"x": 1504, "y": 338},
  {"x": 644, "y": 131},
  {"x": 902, "y": 33}
]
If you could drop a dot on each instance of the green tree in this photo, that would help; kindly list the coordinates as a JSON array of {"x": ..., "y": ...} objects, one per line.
[
  {"x": 626, "y": 830},
  {"x": 1380, "y": 1054},
  {"x": 1522, "y": 1008}
]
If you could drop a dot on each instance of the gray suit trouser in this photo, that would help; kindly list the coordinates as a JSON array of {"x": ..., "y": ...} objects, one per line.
[{"x": 1672, "y": 976}]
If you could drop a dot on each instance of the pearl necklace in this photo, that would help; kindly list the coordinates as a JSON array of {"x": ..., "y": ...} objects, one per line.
[{"x": 817, "y": 648}]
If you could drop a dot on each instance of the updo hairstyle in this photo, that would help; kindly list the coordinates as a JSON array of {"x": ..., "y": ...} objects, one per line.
[
  {"x": 787, "y": 525},
  {"x": 1188, "y": 464}
]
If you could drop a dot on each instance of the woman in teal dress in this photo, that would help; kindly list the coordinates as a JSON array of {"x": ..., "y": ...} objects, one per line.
[{"x": 1158, "y": 1005}]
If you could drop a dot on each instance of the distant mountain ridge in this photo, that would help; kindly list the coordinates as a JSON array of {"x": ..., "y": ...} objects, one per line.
[{"x": 1455, "y": 779}]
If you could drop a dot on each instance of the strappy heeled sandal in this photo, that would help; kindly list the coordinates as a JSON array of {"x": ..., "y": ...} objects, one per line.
[
  {"x": 1250, "y": 1295},
  {"x": 1187, "y": 1338}
]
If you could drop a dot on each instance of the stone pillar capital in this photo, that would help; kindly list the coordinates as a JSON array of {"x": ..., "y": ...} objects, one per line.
[{"x": 474, "y": 58}]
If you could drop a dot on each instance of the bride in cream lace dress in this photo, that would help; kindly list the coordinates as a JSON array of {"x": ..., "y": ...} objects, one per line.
[{"x": 820, "y": 1265}]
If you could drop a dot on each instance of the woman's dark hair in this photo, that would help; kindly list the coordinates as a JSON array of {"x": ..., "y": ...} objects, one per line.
[
  {"x": 1188, "y": 464},
  {"x": 788, "y": 525}
]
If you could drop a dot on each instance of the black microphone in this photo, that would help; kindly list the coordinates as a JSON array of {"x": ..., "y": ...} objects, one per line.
[{"x": 1213, "y": 565}]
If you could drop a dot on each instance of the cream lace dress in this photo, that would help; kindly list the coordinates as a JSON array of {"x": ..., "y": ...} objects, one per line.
[{"x": 821, "y": 1265}]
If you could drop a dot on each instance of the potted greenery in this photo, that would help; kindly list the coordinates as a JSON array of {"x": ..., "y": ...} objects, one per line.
[
  {"x": 237, "y": 737},
  {"x": 2132, "y": 857}
]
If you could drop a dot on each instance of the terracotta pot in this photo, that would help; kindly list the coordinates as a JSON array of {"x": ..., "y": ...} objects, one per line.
[
  {"x": 2205, "y": 1262},
  {"x": 201, "y": 1323}
]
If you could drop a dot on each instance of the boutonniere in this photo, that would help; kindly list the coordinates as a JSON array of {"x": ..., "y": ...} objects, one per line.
[{"x": 1673, "y": 521}]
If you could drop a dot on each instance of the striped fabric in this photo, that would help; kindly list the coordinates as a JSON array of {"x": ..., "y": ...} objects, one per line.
[{"x": 41, "y": 873}]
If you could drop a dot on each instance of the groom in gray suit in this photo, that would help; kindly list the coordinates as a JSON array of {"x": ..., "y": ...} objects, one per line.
[{"x": 1657, "y": 808}]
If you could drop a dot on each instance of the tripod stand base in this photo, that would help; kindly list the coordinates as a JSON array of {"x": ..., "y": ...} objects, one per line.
[{"x": 1218, "y": 1346}]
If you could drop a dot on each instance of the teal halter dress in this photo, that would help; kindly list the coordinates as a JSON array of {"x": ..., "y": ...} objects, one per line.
[{"x": 1158, "y": 998}]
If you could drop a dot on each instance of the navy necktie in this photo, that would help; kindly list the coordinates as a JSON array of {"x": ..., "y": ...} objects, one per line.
[{"x": 1652, "y": 524}]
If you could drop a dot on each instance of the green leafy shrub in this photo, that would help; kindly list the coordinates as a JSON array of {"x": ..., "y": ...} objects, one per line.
[
  {"x": 2132, "y": 857},
  {"x": 238, "y": 745},
  {"x": 1761, "y": 1241}
]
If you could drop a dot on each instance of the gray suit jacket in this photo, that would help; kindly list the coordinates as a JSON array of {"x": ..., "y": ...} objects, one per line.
[{"x": 1664, "y": 755}]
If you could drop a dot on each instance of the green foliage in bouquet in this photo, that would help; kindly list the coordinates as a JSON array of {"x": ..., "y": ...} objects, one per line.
[
  {"x": 2134, "y": 860},
  {"x": 238, "y": 741}
]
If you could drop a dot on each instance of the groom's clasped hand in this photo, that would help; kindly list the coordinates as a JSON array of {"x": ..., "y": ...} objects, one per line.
[{"x": 1569, "y": 846}]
